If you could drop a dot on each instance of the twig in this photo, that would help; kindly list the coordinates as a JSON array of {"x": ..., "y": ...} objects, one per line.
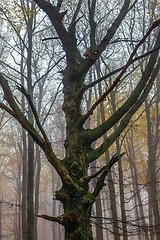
[{"x": 49, "y": 38}]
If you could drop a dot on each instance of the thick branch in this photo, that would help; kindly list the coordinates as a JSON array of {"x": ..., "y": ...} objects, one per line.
[
  {"x": 93, "y": 134},
  {"x": 73, "y": 22},
  {"x": 115, "y": 25},
  {"x": 95, "y": 53},
  {"x": 92, "y": 23},
  {"x": 124, "y": 122},
  {"x": 56, "y": 18},
  {"x": 45, "y": 145},
  {"x": 100, "y": 183},
  {"x": 17, "y": 113},
  {"x": 7, "y": 109},
  {"x": 92, "y": 84},
  {"x": 22, "y": 89},
  {"x": 118, "y": 78},
  {"x": 89, "y": 178}
]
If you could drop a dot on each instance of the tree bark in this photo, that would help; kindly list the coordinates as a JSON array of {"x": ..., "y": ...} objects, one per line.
[
  {"x": 111, "y": 187},
  {"x": 98, "y": 209},
  {"x": 77, "y": 213},
  {"x": 1, "y": 219},
  {"x": 140, "y": 216},
  {"x": 153, "y": 140},
  {"x": 30, "y": 175},
  {"x": 120, "y": 173},
  {"x": 37, "y": 182}
]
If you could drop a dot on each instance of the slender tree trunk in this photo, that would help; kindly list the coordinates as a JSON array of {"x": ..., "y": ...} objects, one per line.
[
  {"x": 23, "y": 149},
  {"x": 151, "y": 222},
  {"x": 1, "y": 220},
  {"x": 37, "y": 182},
  {"x": 122, "y": 198},
  {"x": 56, "y": 208},
  {"x": 17, "y": 207},
  {"x": 54, "y": 230},
  {"x": 99, "y": 221},
  {"x": 113, "y": 206},
  {"x": 24, "y": 186},
  {"x": 136, "y": 204},
  {"x": 30, "y": 182},
  {"x": 98, "y": 208},
  {"x": 30, "y": 190},
  {"x": 153, "y": 139},
  {"x": 110, "y": 179},
  {"x": 122, "y": 201},
  {"x": 121, "y": 181},
  {"x": 98, "y": 202},
  {"x": 136, "y": 191}
]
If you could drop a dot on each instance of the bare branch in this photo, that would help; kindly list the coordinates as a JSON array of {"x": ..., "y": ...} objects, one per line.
[
  {"x": 12, "y": 68},
  {"x": 50, "y": 218},
  {"x": 118, "y": 78},
  {"x": 97, "y": 51},
  {"x": 12, "y": 25},
  {"x": 100, "y": 183},
  {"x": 17, "y": 113},
  {"x": 92, "y": 23},
  {"x": 49, "y": 70},
  {"x": 93, "y": 134},
  {"x": 45, "y": 145},
  {"x": 49, "y": 38},
  {"x": 124, "y": 122},
  {"x": 59, "y": 4},
  {"x": 89, "y": 178},
  {"x": 73, "y": 22},
  {"x": 92, "y": 84},
  {"x": 56, "y": 18},
  {"x": 23, "y": 91},
  {"x": 53, "y": 101}
]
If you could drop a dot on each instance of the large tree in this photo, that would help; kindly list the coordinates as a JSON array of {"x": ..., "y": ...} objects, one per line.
[{"x": 75, "y": 195}]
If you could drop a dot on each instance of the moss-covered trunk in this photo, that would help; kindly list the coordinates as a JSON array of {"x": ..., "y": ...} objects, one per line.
[
  {"x": 75, "y": 196},
  {"x": 77, "y": 213},
  {"x": 79, "y": 229}
]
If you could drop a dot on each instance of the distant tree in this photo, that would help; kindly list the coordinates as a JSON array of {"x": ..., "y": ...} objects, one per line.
[{"x": 75, "y": 194}]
